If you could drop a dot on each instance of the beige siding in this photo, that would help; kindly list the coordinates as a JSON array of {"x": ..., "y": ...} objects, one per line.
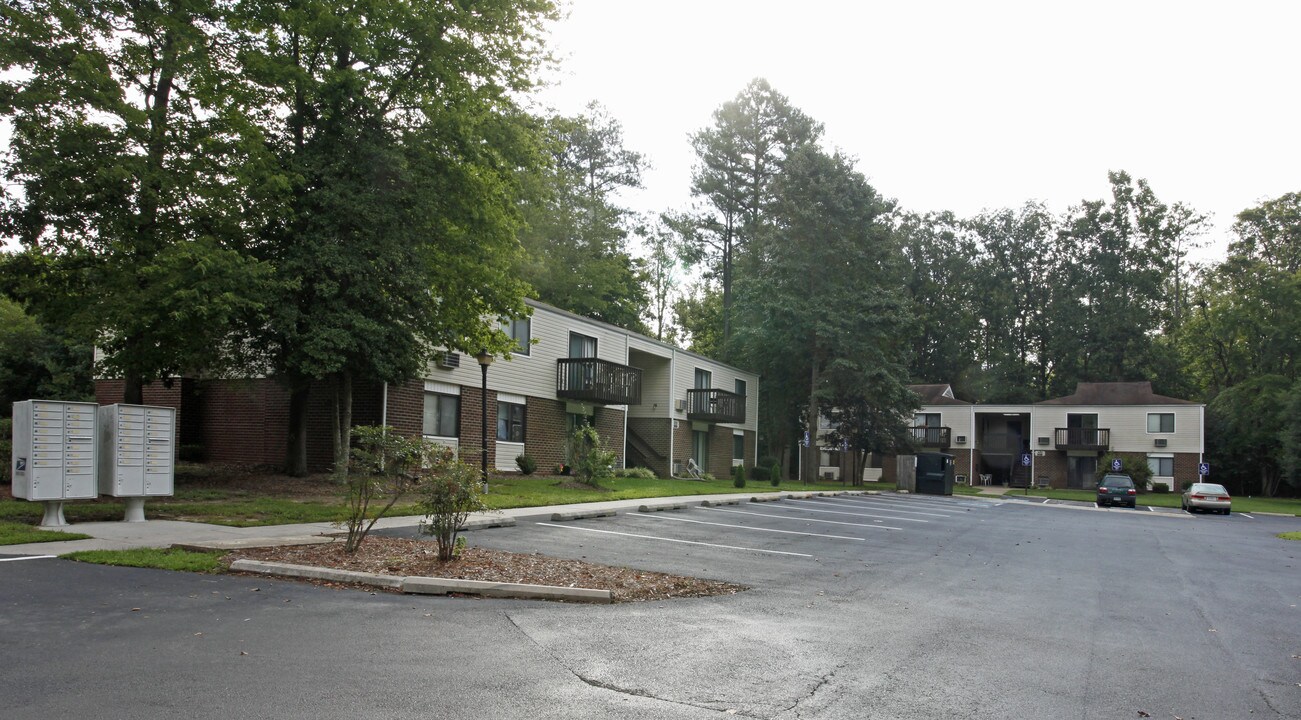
[
  {"x": 506, "y": 454},
  {"x": 723, "y": 377},
  {"x": 655, "y": 397},
  {"x": 1128, "y": 425},
  {"x": 958, "y": 419}
]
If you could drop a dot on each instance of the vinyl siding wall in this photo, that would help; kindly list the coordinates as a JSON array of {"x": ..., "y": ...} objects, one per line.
[{"x": 1128, "y": 425}]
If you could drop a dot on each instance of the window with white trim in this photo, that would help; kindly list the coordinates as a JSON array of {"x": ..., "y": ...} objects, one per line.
[
  {"x": 441, "y": 412},
  {"x": 510, "y": 422},
  {"x": 1160, "y": 422},
  {"x": 1161, "y": 465},
  {"x": 519, "y": 330},
  {"x": 738, "y": 446}
]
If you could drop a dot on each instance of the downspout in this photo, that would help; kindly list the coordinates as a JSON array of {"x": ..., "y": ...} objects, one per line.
[
  {"x": 383, "y": 412},
  {"x": 971, "y": 450},
  {"x": 626, "y": 409},
  {"x": 673, "y": 368}
]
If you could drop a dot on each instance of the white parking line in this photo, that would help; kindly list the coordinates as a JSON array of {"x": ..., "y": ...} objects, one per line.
[
  {"x": 747, "y": 527},
  {"x": 672, "y": 540},
  {"x": 800, "y": 519},
  {"x": 846, "y": 512},
  {"x": 879, "y": 506},
  {"x": 28, "y": 557},
  {"x": 1243, "y": 514}
]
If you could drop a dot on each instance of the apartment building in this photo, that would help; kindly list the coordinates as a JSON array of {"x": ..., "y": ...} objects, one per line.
[{"x": 655, "y": 405}]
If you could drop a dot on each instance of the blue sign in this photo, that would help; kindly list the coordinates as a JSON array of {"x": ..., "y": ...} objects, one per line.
[
  {"x": 806, "y": 438},
  {"x": 844, "y": 445},
  {"x": 1115, "y": 464},
  {"x": 1203, "y": 469},
  {"x": 1025, "y": 459}
]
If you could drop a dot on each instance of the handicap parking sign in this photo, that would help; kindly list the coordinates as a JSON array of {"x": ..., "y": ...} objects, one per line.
[
  {"x": 1025, "y": 459},
  {"x": 1115, "y": 464},
  {"x": 1203, "y": 468}
]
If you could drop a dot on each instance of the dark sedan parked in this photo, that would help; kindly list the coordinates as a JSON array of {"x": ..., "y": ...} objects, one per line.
[{"x": 1115, "y": 489}]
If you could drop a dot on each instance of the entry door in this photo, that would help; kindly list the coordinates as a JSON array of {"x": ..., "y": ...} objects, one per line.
[
  {"x": 582, "y": 376},
  {"x": 1082, "y": 428},
  {"x": 700, "y": 449},
  {"x": 1081, "y": 472}
]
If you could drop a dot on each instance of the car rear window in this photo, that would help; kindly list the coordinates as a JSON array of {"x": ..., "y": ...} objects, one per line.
[
  {"x": 1114, "y": 481},
  {"x": 1210, "y": 489}
]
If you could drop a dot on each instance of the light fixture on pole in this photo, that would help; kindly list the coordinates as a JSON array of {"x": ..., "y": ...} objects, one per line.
[{"x": 485, "y": 359}]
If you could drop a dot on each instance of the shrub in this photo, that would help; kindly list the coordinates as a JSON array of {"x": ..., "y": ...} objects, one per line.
[
  {"x": 526, "y": 464},
  {"x": 561, "y": 469},
  {"x": 6, "y": 450},
  {"x": 640, "y": 473},
  {"x": 1160, "y": 488},
  {"x": 1186, "y": 485},
  {"x": 381, "y": 465},
  {"x": 452, "y": 491},
  {"x": 738, "y": 476},
  {"x": 775, "y": 475},
  {"x": 1134, "y": 467},
  {"x": 759, "y": 473},
  {"x": 707, "y": 477},
  {"x": 591, "y": 461}
]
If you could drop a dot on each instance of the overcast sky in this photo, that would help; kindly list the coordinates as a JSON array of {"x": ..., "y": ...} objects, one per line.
[{"x": 965, "y": 105}]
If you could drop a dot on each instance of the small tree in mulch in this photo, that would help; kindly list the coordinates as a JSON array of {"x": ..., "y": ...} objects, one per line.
[
  {"x": 591, "y": 461},
  {"x": 382, "y": 467},
  {"x": 449, "y": 494}
]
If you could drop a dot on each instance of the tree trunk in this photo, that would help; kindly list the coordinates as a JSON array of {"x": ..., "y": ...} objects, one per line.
[
  {"x": 133, "y": 389},
  {"x": 809, "y": 472},
  {"x": 342, "y": 419},
  {"x": 296, "y": 450}
]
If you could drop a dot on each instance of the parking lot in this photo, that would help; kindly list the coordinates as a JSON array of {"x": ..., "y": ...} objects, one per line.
[{"x": 882, "y": 606}]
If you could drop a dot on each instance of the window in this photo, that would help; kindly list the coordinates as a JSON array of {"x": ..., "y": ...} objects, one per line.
[
  {"x": 581, "y": 346},
  {"x": 1160, "y": 422},
  {"x": 700, "y": 449},
  {"x": 703, "y": 379},
  {"x": 519, "y": 330},
  {"x": 738, "y": 447},
  {"x": 441, "y": 412},
  {"x": 510, "y": 422},
  {"x": 740, "y": 388},
  {"x": 1161, "y": 466},
  {"x": 926, "y": 420}
]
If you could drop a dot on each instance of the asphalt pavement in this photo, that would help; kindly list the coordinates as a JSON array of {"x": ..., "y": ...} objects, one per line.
[{"x": 859, "y": 607}]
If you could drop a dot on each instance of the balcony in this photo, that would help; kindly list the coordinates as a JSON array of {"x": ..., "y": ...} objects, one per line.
[
  {"x": 715, "y": 406},
  {"x": 1095, "y": 439},
  {"x": 597, "y": 381},
  {"x": 930, "y": 437}
]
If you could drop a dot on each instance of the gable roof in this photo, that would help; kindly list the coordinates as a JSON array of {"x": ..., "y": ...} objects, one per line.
[
  {"x": 1115, "y": 393},
  {"x": 937, "y": 394}
]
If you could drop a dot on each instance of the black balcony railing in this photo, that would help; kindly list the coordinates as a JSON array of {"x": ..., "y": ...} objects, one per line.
[
  {"x": 598, "y": 381},
  {"x": 715, "y": 406},
  {"x": 930, "y": 437},
  {"x": 1098, "y": 439}
]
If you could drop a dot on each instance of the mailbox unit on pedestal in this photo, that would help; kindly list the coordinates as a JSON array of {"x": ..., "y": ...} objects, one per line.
[
  {"x": 137, "y": 446},
  {"x": 54, "y": 450}
]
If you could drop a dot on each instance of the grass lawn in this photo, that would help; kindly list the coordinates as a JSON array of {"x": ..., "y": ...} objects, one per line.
[
  {"x": 164, "y": 559},
  {"x": 533, "y": 491},
  {"x": 12, "y": 533},
  {"x": 1290, "y": 535}
]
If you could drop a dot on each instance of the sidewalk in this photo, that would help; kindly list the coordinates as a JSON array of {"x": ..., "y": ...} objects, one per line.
[{"x": 165, "y": 533}]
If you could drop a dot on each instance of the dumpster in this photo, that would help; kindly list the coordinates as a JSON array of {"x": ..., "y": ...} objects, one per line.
[{"x": 934, "y": 474}]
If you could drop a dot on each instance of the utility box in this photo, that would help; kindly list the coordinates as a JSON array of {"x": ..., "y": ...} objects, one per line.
[
  {"x": 54, "y": 450},
  {"x": 137, "y": 450}
]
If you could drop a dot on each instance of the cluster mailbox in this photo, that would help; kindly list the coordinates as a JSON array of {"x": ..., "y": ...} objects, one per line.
[
  {"x": 135, "y": 450},
  {"x": 77, "y": 450},
  {"x": 54, "y": 450}
]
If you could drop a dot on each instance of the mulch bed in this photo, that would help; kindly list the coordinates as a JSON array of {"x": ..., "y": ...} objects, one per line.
[{"x": 404, "y": 557}]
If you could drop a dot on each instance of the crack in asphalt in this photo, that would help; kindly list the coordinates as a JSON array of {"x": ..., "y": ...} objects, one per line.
[
  {"x": 622, "y": 690},
  {"x": 822, "y": 682}
]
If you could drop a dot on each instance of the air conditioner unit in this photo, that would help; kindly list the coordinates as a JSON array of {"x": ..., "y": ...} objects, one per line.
[
  {"x": 1043, "y": 441},
  {"x": 449, "y": 360},
  {"x": 680, "y": 405},
  {"x": 961, "y": 440},
  {"x": 960, "y": 479},
  {"x": 1160, "y": 442}
]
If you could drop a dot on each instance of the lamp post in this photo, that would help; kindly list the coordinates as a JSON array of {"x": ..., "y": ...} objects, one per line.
[{"x": 485, "y": 359}]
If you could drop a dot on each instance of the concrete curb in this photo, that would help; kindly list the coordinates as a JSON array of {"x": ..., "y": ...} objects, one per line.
[
  {"x": 443, "y": 586},
  {"x": 667, "y": 506},
  {"x": 557, "y": 517},
  {"x": 716, "y": 503},
  {"x": 425, "y": 585},
  {"x": 316, "y": 573},
  {"x": 766, "y": 498}
]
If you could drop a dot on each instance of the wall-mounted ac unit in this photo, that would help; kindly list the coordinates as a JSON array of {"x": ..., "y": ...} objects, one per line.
[
  {"x": 961, "y": 440},
  {"x": 1160, "y": 442},
  {"x": 1043, "y": 441},
  {"x": 449, "y": 360},
  {"x": 677, "y": 467},
  {"x": 680, "y": 405},
  {"x": 960, "y": 479}
]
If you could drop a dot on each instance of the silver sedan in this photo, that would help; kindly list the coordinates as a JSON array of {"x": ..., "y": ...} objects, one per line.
[{"x": 1206, "y": 496}]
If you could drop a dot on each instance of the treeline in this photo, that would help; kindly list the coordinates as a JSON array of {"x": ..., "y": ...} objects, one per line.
[{"x": 323, "y": 193}]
